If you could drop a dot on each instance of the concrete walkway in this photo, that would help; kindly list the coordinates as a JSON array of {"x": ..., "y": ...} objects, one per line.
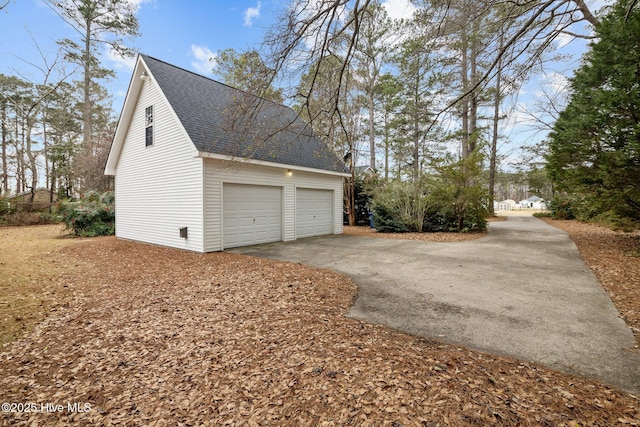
[{"x": 522, "y": 291}]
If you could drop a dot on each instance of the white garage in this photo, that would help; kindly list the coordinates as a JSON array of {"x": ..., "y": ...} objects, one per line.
[
  {"x": 201, "y": 166},
  {"x": 252, "y": 214},
  {"x": 314, "y": 212}
]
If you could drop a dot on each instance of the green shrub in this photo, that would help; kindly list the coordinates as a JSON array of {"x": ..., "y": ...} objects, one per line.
[
  {"x": 451, "y": 200},
  {"x": 401, "y": 206},
  {"x": 460, "y": 198},
  {"x": 386, "y": 220},
  {"x": 560, "y": 208},
  {"x": 4, "y": 207},
  {"x": 93, "y": 215},
  {"x": 543, "y": 214}
]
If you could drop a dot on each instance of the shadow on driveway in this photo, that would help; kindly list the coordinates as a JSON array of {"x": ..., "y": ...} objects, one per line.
[{"x": 522, "y": 291}]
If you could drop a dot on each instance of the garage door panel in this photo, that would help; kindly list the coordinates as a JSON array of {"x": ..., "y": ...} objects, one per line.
[
  {"x": 252, "y": 214},
  {"x": 314, "y": 212}
]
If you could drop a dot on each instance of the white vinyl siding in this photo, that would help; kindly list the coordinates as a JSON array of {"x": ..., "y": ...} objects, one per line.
[
  {"x": 159, "y": 188},
  {"x": 218, "y": 173},
  {"x": 252, "y": 214},
  {"x": 314, "y": 212}
]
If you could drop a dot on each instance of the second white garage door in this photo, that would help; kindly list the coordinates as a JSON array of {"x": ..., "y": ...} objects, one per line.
[
  {"x": 252, "y": 214},
  {"x": 314, "y": 212}
]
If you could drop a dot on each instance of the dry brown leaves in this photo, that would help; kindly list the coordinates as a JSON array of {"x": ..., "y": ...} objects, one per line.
[
  {"x": 30, "y": 268},
  {"x": 614, "y": 257},
  {"x": 156, "y": 336},
  {"x": 429, "y": 237}
]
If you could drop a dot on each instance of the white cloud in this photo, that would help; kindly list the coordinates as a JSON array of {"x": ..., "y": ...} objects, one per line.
[
  {"x": 556, "y": 83},
  {"x": 564, "y": 39},
  {"x": 251, "y": 13},
  {"x": 136, "y": 3},
  {"x": 121, "y": 62},
  {"x": 399, "y": 9},
  {"x": 203, "y": 59}
]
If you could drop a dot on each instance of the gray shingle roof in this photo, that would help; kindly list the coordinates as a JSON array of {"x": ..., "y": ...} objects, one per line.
[{"x": 223, "y": 120}]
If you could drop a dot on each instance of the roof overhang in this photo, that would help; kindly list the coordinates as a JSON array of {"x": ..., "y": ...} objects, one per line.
[
  {"x": 135, "y": 85},
  {"x": 206, "y": 155}
]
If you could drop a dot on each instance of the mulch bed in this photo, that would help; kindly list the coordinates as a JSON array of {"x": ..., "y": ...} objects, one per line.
[{"x": 157, "y": 336}]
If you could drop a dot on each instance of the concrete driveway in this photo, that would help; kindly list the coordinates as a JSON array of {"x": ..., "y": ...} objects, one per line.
[{"x": 522, "y": 291}]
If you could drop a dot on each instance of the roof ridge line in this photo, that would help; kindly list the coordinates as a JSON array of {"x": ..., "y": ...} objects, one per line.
[{"x": 218, "y": 82}]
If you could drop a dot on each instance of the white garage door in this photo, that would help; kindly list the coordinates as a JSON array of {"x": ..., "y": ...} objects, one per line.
[
  {"x": 314, "y": 212},
  {"x": 252, "y": 214}
]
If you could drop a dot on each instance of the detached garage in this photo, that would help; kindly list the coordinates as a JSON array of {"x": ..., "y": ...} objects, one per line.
[{"x": 201, "y": 166}]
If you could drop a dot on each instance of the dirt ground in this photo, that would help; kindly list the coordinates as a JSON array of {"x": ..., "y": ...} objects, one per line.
[{"x": 156, "y": 336}]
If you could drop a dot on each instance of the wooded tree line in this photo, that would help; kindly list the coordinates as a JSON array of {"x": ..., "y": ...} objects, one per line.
[
  {"x": 594, "y": 148},
  {"x": 407, "y": 96},
  {"x": 42, "y": 139},
  {"x": 412, "y": 95},
  {"x": 56, "y": 132}
]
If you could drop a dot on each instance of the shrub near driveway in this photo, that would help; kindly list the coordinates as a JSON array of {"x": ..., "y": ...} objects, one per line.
[{"x": 451, "y": 200}]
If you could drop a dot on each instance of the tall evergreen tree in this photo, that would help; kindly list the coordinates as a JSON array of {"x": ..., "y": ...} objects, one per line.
[
  {"x": 594, "y": 148},
  {"x": 99, "y": 24}
]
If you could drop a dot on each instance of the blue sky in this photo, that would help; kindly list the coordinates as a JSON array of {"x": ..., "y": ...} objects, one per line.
[{"x": 184, "y": 33}]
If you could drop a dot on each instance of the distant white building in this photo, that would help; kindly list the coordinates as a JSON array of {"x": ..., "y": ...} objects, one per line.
[
  {"x": 533, "y": 202},
  {"x": 505, "y": 205}
]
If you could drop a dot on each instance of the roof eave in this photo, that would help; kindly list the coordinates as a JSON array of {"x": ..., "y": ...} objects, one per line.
[
  {"x": 207, "y": 155},
  {"x": 135, "y": 85}
]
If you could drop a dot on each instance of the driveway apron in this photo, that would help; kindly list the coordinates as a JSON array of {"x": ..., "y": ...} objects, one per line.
[{"x": 522, "y": 291}]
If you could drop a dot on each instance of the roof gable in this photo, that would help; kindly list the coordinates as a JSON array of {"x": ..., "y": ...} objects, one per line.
[{"x": 226, "y": 121}]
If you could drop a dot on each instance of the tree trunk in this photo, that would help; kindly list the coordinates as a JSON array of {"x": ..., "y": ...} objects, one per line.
[
  {"x": 464, "y": 65},
  {"x": 416, "y": 129},
  {"x": 45, "y": 150},
  {"x": 386, "y": 146},
  {"x": 5, "y": 173},
  {"x": 372, "y": 132},
  {"x": 352, "y": 190},
  {"x": 473, "y": 107},
  {"x": 32, "y": 164},
  {"x": 86, "y": 108},
  {"x": 494, "y": 139}
]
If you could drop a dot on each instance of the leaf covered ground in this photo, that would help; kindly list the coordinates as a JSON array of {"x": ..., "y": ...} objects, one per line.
[{"x": 157, "y": 336}]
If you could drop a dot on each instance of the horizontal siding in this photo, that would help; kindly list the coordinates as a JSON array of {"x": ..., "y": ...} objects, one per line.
[
  {"x": 159, "y": 188},
  {"x": 217, "y": 172}
]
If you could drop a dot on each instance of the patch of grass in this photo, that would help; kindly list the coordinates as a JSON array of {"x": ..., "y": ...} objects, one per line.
[
  {"x": 24, "y": 218},
  {"x": 31, "y": 277},
  {"x": 543, "y": 214}
]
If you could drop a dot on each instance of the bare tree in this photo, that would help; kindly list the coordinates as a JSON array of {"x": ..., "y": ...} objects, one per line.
[
  {"x": 306, "y": 33},
  {"x": 309, "y": 34},
  {"x": 372, "y": 51}
]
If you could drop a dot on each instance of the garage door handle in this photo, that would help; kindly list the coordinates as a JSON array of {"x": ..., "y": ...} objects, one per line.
[{"x": 254, "y": 220}]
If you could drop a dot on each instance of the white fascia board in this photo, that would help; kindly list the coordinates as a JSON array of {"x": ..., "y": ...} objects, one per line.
[
  {"x": 130, "y": 102},
  {"x": 125, "y": 117},
  {"x": 206, "y": 155}
]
